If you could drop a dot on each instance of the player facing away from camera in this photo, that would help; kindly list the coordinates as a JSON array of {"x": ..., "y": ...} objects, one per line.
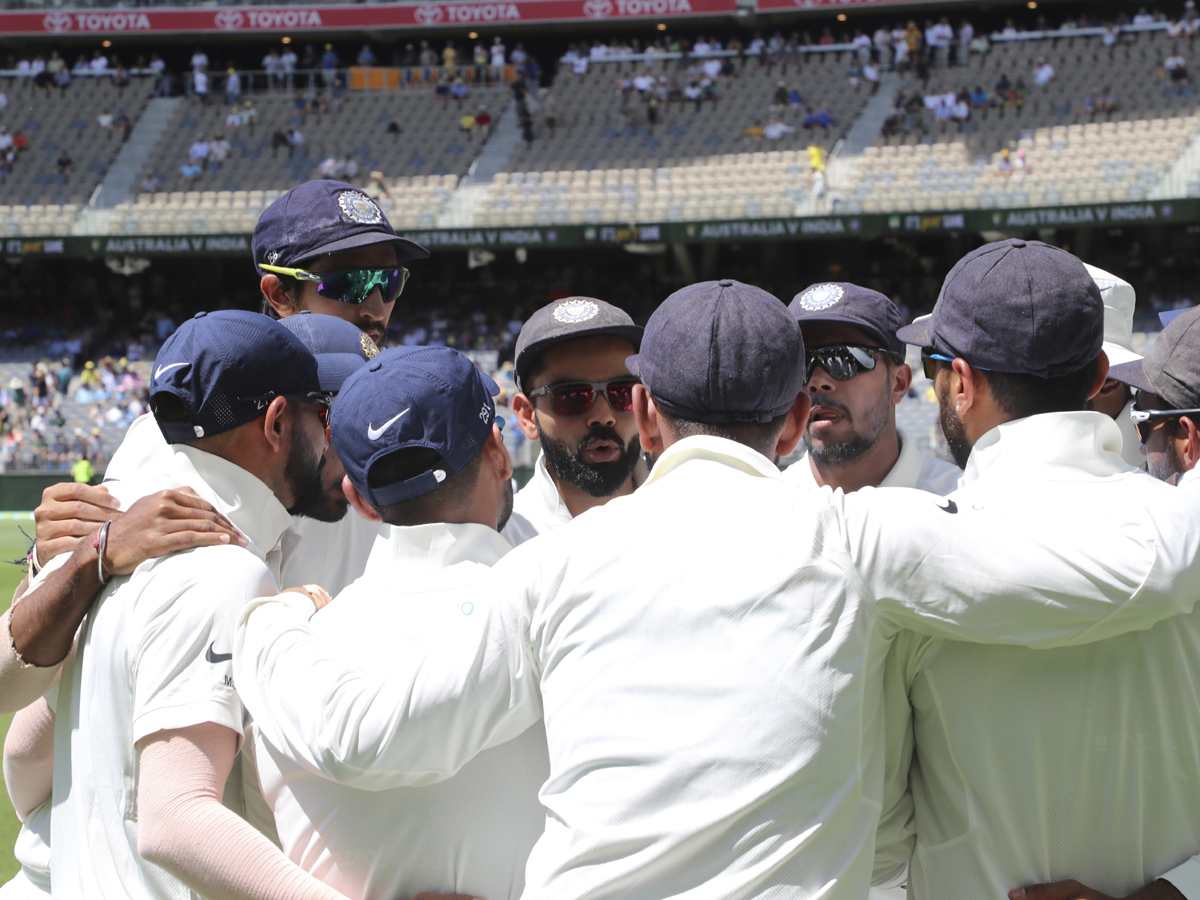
[
  {"x": 856, "y": 375},
  {"x": 1030, "y": 765},
  {"x": 707, "y": 652},
  {"x": 575, "y": 396},
  {"x": 417, "y": 431}
]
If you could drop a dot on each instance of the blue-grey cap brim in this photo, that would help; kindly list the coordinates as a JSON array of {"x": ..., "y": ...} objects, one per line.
[
  {"x": 917, "y": 333},
  {"x": 1132, "y": 374},
  {"x": 335, "y": 368},
  {"x": 405, "y": 249}
]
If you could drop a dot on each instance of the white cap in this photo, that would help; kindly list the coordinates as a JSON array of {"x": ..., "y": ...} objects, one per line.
[{"x": 1119, "y": 299}]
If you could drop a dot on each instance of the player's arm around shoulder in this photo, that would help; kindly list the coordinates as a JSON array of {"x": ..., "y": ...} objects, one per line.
[{"x": 418, "y": 723}]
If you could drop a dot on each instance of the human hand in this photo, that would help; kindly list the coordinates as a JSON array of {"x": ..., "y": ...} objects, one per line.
[
  {"x": 320, "y": 598},
  {"x": 163, "y": 523},
  {"x": 1073, "y": 890},
  {"x": 68, "y": 512}
]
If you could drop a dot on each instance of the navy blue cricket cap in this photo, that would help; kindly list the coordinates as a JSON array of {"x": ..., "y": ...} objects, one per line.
[
  {"x": 722, "y": 351},
  {"x": 215, "y": 358},
  {"x": 1172, "y": 367},
  {"x": 431, "y": 397},
  {"x": 320, "y": 217},
  {"x": 1016, "y": 306},
  {"x": 570, "y": 319},
  {"x": 339, "y": 347},
  {"x": 839, "y": 301}
]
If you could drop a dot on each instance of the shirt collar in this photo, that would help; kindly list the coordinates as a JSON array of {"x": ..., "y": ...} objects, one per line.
[
  {"x": 714, "y": 449},
  {"x": 245, "y": 500},
  {"x": 906, "y": 471},
  {"x": 436, "y": 547},
  {"x": 1083, "y": 441},
  {"x": 547, "y": 490}
]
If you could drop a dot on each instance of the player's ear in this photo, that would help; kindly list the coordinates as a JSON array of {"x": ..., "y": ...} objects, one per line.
[
  {"x": 281, "y": 301},
  {"x": 275, "y": 423},
  {"x": 358, "y": 501},
  {"x": 901, "y": 381},
  {"x": 1189, "y": 434},
  {"x": 649, "y": 426},
  {"x": 522, "y": 408},
  {"x": 793, "y": 429}
]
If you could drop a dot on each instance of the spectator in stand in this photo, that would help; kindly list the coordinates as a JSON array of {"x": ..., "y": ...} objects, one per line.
[
  {"x": 449, "y": 59},
  {"x": 1175, "y": 68},
  {"x": 467, "y": 126},
  {"x": 233, "y": 86},
  {"x": 348, "y": 168},
  {"x": 755, "y": 132},
  {"x": 780, "y": 98},
  {"x": 219, "y": 150},
  {"x": 459, "y": 91},
  {"x": 99, "y": 62},
  {"x": 1087, "y": 107},
  {"x": 1004, "y": 165},
  {"x": 393, "y": 128},
  {"x": 377, "y": 186},
  {"x": 550, "y": 111},
  {"x": 1108, "y": 101},
  {"x": 483, "y": 122},
  {"x": 105, "y": 121},
  {"x": 479, "y": 56},
  {"x": 121, "y": 123},
  {"x": 329, "y": 64},
  {"x": 1044, "y": 73},
  {"x": 149, "y": 183},
  {"x": 776, "y": 129},
  {"x": 190, "y": 172},
  {"x": 365, "y": 56},
  {"x": 200, "y": 85},
  {"x": 328, "y": 169},
  {"x": 199, "y": 152},
  {"x": 279, "y": 140},
  {"x": 498, "y": 55},
  {"x": 199, "y": 61},
  {"x": 295, "y": 142},
  {"x": 233, "y": 120},
  {"x": 428, "y": 60},
  {"x": 272, "y": 66},
  {"x": 64, "y": 164},
  {"x": 287, "y": 65}
]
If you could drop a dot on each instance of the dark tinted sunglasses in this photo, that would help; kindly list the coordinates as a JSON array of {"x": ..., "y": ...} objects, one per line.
[
  {"x": 321, "y": 399},
  {"x": 843, "y": 361},
  {"x": 1146, "y": 420},
  {"x": 575, "y": 398},
  {"x": 351, "y": 286}
]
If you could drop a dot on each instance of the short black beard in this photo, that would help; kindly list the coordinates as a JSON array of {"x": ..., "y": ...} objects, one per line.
[
  {"x": 600, "y": 479},
  {"x": 304, "y": 472},
  {"x": 831, "y": 456},
  {"x": 954, "y": 431}
]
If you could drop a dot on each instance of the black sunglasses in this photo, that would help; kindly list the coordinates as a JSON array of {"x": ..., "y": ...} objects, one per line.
[
  {"x": 844, "y": 361},
  {"x": 323, "y": 400},
  {"x": 1146, "y": 420}
]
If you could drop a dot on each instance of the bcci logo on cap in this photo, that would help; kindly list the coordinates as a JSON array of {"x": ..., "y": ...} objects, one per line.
[
  {"x": 360, "y": 208},
  {"x": 821, "y": 296},
  {"x": 572, "y": 312}
]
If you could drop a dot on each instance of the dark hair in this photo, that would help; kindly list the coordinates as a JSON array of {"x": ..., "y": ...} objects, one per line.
[
  {"x": 438, "y": 505},
  {"x": 760, "y": 436},
  {"x": 1029, "y": 395}
]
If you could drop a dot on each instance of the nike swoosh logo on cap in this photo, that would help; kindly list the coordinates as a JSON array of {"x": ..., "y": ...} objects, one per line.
[
  {"x": 158, "y": 373},
  {"x": 374, "y": 434}
]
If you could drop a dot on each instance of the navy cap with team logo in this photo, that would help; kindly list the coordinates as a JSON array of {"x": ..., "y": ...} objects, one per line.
[
  {"x": 431, "y": 397},
  {"x": 215, "y": 359},
  {"x": 569, "y": 320},
  {"x": 722, "y": 351},
  {"x": 320, "y": 217},
  {"x": 1172, "y": 367},
  {"x": 1016, "y": 306},
  {"x": 339, "y": 347},
  {"x": 851, "y": 304}
]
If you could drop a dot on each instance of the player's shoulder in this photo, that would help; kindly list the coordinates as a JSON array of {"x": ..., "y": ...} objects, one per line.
[{"x": 225, "y": 568}]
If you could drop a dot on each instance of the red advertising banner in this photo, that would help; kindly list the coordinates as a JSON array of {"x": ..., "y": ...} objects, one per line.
[
  {"x": 250, "y": 19},
  {"x": 770, "y": 6}
]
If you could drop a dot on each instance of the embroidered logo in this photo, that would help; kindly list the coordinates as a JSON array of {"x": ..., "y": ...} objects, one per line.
[
  {"x": 821, "y": 296},
  {"x": 368, "y": 346},
  {"x": 360, "y": 208},
  {"x": 572, "y": 312},
  {"x": 374, "y": 434}
]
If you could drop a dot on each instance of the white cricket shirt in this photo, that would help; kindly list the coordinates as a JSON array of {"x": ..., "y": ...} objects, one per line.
[
  {"x": 1036, "y": 766},
  {"x": 469, "y": 834},
  {"x": 913, "y": 469},
  {"x": 537, "y": 507},
  {"x": 154, "y": 654},
  {"x": 710, "y": 664}
]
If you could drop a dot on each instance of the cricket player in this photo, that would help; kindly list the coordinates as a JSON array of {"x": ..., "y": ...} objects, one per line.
[{"x": 575, "y": 396}]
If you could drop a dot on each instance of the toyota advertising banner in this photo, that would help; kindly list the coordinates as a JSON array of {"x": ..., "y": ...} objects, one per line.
[{"x": 270, "y": 20}]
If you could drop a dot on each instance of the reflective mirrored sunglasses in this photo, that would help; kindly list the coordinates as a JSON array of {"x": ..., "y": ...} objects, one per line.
[
  {"x": 843, "y": 361},
  {"x": 575, "y": 398},
  {"x": 351, "y": 286},
  {"x": 1146, "y": 420}
]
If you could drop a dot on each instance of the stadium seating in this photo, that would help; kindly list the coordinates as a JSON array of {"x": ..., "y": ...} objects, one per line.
[{"x": 54, "y": 121}]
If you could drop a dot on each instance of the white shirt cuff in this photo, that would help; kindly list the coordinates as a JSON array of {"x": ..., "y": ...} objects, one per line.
[{"x": 1186, "y": 878}]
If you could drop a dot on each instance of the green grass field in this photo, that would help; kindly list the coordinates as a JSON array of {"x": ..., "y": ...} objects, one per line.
[{"x": 13, "y": 545}]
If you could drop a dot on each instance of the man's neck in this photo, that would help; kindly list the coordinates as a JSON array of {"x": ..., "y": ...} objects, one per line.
[
  {"x": 866, "y": 470},
  {"x": 577, "y": 501}
]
